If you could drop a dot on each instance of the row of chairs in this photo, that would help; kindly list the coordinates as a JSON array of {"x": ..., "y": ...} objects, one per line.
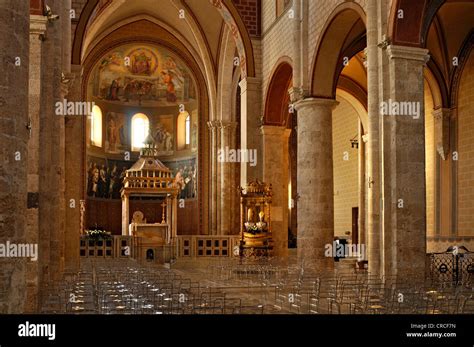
[{"x": 268, "y": 287}]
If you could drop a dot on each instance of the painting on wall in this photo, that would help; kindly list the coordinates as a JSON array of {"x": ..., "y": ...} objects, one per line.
[
  {"x": 105, "y": 177},
  {"x": 142, "y": 75},
  {"x": 185, "y": 176},
  {"x": 163, "y": 134},
  {"x": 116, "y": 134}
]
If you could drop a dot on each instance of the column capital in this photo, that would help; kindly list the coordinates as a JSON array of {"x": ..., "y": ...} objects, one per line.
[
  {"x": 38, "y": 25},
  {"x": 296, "y": 94},
  {"x": 221, "y": 125},
  {"x": 274, "y": 130},
  {"x": 316, "y": 102},
  {"x": 442, "y": 117},
  {"x": 408, "y": 53},
  {"x": 250, "y": 83},
  {"x": 67, "y": 80},
  {"x": 442, "y": 113}
]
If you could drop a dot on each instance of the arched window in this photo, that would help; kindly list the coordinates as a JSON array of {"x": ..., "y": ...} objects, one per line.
[
  {"x": 140, "y": 129},
  {"x": 96, "y": 126},
  {"x": 188, "y": 130},
  {"x": 184, "y": 130}
]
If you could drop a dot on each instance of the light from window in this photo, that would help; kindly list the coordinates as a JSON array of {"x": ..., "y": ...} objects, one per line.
[
  {"x": 140, "y": 129},
  {"x": 96, "y": 126},
  {"x": 188, "y": 130}
]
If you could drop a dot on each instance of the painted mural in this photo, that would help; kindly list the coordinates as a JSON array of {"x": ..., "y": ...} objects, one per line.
[
  {"x": 185, "y": 175},
  {"x": 163, "y": 134},
  {"x": 117, "y": 133},
  {"x": 142, "y": 75},
  {"x": 105, "y": 177}
]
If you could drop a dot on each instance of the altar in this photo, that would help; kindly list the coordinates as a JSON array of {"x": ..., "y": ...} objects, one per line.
[{"x": 150, "y": 178}]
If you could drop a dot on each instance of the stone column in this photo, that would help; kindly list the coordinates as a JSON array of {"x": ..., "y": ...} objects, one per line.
[
  {"x": 37, "y": 31},
  {"x": 52, "y": 200},
  {"x": 76, "y": 174},
  {"x": 222, "y": 180},
  {"x": 174, "y": 227},
  {"x": 315, "y": 183},
  {"x": 373, "y": 174},
  {"x": 227, "y": 186},
  {"x": 14, "y": 57},
  {"x": 276, "y": 172},
  {"x": 125, "y": 215},
  {"x": 405, "y": 236},
  {"x": 212, "y": 125},
  {"x": 362, "y": 188},
  {"x": 250, "y": 121}
]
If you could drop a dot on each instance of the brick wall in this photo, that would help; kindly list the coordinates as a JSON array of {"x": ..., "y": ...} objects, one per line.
[
  {"x": 346, "y": 172},
  {"x": 466, "y": 151},
  {"x": 268, "y": 14},
  {"x": 250, "y": 12},
  {"x": 276, "y": 42},
  {"x": 36, "y": 7}
]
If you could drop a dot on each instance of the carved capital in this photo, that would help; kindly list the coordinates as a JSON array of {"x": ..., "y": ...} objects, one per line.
[
  {"x": 38, "y": 26},
  {"x": 67, "y": 79},
  {"x": 442, "y": 118}
]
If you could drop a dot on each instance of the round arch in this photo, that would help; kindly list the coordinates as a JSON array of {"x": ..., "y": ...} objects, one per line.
[
  {"x": 357, "y": 105},
  {"x": 227, "y": 9},
  {"x": 344, "y": 35},
  {"x": 277, "y": 97},
  {"x": 156, "y": 35}
]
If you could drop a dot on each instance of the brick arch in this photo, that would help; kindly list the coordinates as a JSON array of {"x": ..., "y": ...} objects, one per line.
[
  {"x": 343, "y": 35},
  {"x": 417, "y": 18},
  {"x": 278, "y": 98}
]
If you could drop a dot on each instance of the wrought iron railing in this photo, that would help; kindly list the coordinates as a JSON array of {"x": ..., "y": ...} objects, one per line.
[{"x": 456, "y": 265}]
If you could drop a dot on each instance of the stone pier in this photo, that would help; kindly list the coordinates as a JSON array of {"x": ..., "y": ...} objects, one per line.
[
  {"x": 276, "y": 169},
  {"x": 14, "y": 80}
]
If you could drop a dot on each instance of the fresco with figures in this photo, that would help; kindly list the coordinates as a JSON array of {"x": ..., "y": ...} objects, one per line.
[
  {"x": 141, "y": 75},
  {"x": 105, "y": 177}
]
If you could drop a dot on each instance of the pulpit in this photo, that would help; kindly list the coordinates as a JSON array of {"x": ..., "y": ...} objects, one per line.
[{"x": 255, "y": 220}]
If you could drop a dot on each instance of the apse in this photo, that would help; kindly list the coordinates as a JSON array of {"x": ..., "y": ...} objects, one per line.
[{"x": 140, "y": 91}]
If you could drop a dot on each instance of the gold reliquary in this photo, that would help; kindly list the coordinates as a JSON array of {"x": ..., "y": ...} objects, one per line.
[{"x": 255, "y": 219}]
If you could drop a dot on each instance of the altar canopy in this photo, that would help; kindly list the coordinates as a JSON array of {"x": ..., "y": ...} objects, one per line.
[{"x": 149, "y": 177}]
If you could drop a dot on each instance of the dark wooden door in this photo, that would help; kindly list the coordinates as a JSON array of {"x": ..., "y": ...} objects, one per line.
[{"x": 355, "y": 225}]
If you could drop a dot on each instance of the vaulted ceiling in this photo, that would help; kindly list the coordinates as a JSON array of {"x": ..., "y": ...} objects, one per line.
[{"x": 199, "y": 30}]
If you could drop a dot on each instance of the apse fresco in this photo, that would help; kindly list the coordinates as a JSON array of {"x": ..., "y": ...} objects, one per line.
[
  {"x": 185, "y": 175},
  {"x": 163, "y": 132},
  {"x": 105, "y": 177},
  {"x": 117, "y": 137},
  {"x": 141, "y": 75}
]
